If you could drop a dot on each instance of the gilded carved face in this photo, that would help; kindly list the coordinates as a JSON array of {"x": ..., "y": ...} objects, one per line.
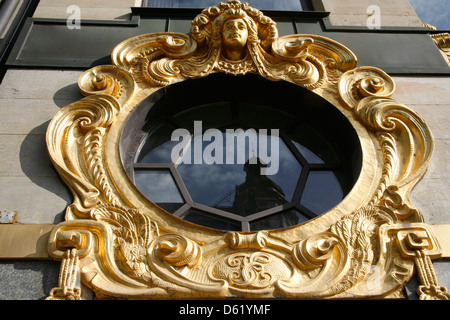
[{"x": 235, "y": 33}]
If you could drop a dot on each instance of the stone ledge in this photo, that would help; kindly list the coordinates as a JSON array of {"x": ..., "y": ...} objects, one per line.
[
  {"x": 29, "y": 241},
  {"x": 24, "y": 241}
]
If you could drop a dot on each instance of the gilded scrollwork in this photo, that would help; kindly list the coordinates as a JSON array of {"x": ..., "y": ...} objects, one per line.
[
  {"x": 417, "y": 242},
  {"x": 128, "y": 250},
  {"x": 314, "y": 252},
  {"x": 162, "y": 58},
  {"x": 342, "y": 256},
  {"x": 179, "y": 251},
  {"x": 80, "y": 159},
  {"x": 363, "y": 82},
  {"x": 358, "y": 235},
  {"x": 442, "y": 40},
  {"x": 405, "y": 140},
  {"x": 107, "y": 80}
]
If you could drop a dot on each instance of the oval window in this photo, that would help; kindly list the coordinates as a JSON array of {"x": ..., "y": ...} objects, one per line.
[{"x": 241, "y": 153}]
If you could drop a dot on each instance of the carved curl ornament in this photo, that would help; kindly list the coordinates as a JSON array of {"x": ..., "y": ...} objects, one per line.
[{"x": 127, "y": 247}]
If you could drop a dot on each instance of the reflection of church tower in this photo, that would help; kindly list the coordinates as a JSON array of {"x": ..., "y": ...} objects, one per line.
[{"x": 258, "y": 192}]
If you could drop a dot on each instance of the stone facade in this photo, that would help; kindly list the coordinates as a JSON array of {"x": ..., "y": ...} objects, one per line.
[
  {"x": 430, "y": 97},
  {"x": 397, "y": 13}
]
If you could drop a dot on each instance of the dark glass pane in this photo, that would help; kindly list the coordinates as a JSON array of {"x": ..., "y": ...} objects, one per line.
[
  {"x": 291, "y": 5},
  {"x": 160, "y": 188},
  {"x": 212, "y": 221},
  {"x": 322, "y": 191},
  {"x": 288, "y": 171},
  {"x": 280, "y": 220},
  {"x": 240, "y": 187},
  {"x": 158, "y": 146},
  {"x": 309, "y": 156},
  {"x": 313, "y": 146},
  {"x": 212, "y": 115},
  {"x": 258, "y": 116}
]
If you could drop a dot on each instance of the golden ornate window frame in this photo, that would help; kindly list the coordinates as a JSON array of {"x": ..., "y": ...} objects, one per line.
[{"x": 126, "y": 247}]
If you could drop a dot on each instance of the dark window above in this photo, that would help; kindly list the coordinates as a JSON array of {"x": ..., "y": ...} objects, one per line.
[{"x": 287, "y": 5}]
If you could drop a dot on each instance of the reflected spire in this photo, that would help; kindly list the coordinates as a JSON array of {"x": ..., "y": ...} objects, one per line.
[{"x": 258, "y": 192}]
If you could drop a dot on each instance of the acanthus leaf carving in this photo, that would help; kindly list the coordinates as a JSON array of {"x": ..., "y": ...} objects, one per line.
[
  {"x": 343, "y": 255},
  {"x": 358, "y": 232}
]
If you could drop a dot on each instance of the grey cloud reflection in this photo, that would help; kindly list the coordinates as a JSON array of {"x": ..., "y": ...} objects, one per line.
[{"x": 158, "y": 186}]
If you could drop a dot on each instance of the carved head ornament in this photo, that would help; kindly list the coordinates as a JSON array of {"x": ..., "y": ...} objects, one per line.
[{"x": 210, "y": 24}]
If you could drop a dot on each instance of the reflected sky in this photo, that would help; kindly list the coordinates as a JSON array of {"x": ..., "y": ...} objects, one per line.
[
  {"x": 291, "y": 5},
  {"x": 433, "y": 12},
  {"x": 322, "y": 191},
  {"x": 158, "y": 186},
  {"x": 161, "y": 154}
]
